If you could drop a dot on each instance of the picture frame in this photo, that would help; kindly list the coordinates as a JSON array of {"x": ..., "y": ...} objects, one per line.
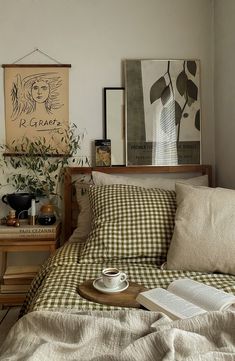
[
  {"x": 103, "y": 153},
  {"x": 114, "y": 122},
  {"x": 162, "y": 112}
]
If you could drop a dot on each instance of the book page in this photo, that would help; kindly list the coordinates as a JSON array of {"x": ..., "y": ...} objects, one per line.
[
  {"x": 206, "y": 297},
  {"x": 172, "y": 304}
]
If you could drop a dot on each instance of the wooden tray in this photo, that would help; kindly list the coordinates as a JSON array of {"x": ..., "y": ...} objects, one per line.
[{"x": 126, "y": 298}]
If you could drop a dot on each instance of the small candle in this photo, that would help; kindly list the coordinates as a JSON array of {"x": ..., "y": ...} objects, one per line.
[{"x": 33, "y": 208}]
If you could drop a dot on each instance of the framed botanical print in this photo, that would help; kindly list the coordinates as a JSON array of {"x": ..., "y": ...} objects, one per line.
[
  {"x": 36, "y": 103},
  {"x": 162, "y": 112}
]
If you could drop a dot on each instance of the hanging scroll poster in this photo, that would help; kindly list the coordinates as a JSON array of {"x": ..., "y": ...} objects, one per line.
[{"x": 36, "y": 103}]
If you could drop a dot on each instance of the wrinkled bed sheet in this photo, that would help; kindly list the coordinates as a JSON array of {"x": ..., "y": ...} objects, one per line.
[{"x": 120, "y": 336}]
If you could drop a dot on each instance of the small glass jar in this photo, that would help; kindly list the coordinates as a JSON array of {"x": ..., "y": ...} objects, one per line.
[{"x": 46, "y": 216}]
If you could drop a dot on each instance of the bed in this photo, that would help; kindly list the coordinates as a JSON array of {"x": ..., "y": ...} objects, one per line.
[{"x": 61, "y": 324}]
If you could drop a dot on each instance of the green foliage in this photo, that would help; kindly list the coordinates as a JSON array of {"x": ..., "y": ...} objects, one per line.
[{"x": 37, "y": 167}]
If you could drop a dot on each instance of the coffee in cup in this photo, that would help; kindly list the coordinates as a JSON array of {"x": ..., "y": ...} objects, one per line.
[{"x": 112, "y": 277}]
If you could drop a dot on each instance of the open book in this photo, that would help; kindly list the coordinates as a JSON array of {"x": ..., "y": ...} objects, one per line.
[{"x": 186, "y": 298}]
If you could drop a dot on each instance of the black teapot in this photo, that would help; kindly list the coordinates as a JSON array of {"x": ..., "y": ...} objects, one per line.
[{"x": 20, "y": 202}]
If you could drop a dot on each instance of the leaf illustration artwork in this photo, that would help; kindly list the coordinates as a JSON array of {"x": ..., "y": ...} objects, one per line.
[
  {"x": 167, "y": 119},
  {"x": 192, "y": 67},
  {"x": 178, "y": 113},
  {"x": 192, "y": 89},
  {"x": 181, "y": 83},
  {"x": 166, "y": 95},
  {"x": 172, "y": 111},
  {"x": 197, "y": 120},
  {"x": 169, "y": 108},
  {"x": 156, "y": 89},
  {"x": 170, "y": 116}
]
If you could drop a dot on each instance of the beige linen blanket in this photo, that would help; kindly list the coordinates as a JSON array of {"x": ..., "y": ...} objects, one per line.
[{"x": 120, "y": 336}]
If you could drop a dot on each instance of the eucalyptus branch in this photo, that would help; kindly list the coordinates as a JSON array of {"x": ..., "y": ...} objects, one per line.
[{"x": 37, "y": 167}]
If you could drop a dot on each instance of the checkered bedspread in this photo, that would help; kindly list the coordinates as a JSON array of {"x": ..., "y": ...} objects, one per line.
[{"x": 56, "y": 285}]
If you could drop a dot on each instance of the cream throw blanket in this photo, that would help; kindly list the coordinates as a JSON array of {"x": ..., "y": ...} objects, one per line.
[{"x": 120, "y": 336}]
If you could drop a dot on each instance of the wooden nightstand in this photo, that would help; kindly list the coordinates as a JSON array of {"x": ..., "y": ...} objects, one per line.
[{"x": 23, "y": 239}]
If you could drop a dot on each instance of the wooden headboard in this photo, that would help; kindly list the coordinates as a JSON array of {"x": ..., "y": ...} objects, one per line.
[{"x": 71, "y": 207}]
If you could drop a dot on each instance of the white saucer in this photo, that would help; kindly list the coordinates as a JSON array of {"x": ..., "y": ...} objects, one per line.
[{"x": 99, "y": 286}]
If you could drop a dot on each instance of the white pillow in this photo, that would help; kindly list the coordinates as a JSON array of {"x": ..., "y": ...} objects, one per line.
[
  {"x": 146, "y": 181},
  {"x": 204, "y": 233}
]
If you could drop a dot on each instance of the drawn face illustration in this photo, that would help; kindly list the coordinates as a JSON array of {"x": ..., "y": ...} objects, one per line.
[
  {"x": 40, "y": 91},
  {"x": 104, "y": 155}
]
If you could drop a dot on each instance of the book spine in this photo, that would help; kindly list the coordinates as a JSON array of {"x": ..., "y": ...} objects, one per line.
[
  {"x": 33, "y": 230},
  {"x": 18, "y": 298},
  {"x": 15, "y": 270},
  {"x": 17, "y": 281},
  {"x": 20, "y": 276},
  {"x": 14, "y": 288},
  {"x": 28, "y": 235}
]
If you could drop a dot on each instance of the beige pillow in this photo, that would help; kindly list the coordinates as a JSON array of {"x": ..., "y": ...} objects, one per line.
[
  {"x": 204, "y": 233},
  {"x": 146, "y": 181}
]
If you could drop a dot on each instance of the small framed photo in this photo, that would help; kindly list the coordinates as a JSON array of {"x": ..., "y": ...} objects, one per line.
[{"x": 103, "y": 153}]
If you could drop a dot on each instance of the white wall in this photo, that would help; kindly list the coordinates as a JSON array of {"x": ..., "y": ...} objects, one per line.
[
  {"x": 225, "y": 92},
  {"x": 95, "y": 36}
]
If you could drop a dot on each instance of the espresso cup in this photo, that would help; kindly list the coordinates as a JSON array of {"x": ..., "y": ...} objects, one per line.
[{"x": 112, "y": 277}]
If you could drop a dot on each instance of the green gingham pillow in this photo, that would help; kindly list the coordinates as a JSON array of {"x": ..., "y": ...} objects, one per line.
[{"x": 129, "y": 222}]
